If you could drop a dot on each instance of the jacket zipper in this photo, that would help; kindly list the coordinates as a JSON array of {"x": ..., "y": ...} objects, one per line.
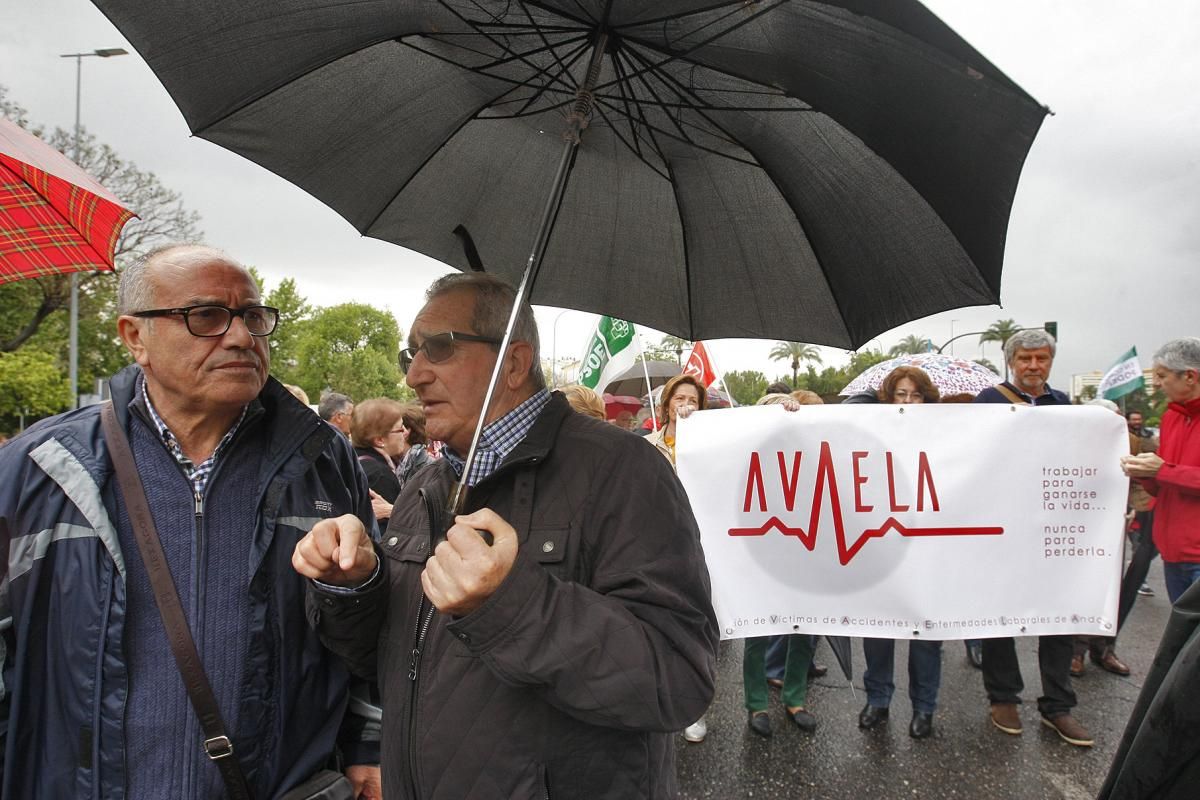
[{"x": 425, "y": 611}]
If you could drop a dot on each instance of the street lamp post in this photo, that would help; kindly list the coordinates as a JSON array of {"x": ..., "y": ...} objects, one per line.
[
  {"x": 73, "y": 358},
  {"x": 554, "y": 349}
]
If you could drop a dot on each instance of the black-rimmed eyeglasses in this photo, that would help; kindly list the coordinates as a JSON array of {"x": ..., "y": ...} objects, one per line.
[
  {"x": 439, "y": 347},
  {"x": 214, "y": 320}
]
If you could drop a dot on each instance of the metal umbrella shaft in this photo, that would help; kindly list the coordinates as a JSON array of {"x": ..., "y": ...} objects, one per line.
[{"x": 576, "y": 121}]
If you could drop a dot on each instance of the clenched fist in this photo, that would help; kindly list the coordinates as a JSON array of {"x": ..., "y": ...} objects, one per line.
[{"x": 464, "y": 570}]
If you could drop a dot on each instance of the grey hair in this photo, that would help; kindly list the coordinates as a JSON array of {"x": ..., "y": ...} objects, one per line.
[
  {"x": 493, "y": 304},
  {"x": 1179, "y": 355},
  {"x": 135, "y": 292},
  {"x": 1029, "y": 339},
  {"x": 331, "y": 403},
  {"x": 1104, "y": 402}
]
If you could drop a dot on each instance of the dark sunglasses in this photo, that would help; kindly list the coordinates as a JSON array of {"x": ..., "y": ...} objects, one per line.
[
  {"x": 439, "y": 347},
  {"x": 214, "y": 320}
]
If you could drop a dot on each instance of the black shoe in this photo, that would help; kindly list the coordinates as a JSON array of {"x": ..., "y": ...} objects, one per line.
[
  {"x": 921, "y": 726},
  {"x": 760, "y": 723},
  {"x": 871, "y": 716},
  {"x": 975, "y": 654},
  {"x": 817, "y": 670},
  {"x": 803, "y": 719}
]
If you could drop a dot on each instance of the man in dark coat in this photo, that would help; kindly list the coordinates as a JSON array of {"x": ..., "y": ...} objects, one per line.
[
  {"x": 557, "y": 660},
  {"x": 235, "y": 470}
]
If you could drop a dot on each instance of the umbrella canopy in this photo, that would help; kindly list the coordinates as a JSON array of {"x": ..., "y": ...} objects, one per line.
[
  {"x": 54, "y": 217},
  {"x": 632, "y": 382},
  {"x": 949, "y": 374},
  {"x": 806, "y": 171}
]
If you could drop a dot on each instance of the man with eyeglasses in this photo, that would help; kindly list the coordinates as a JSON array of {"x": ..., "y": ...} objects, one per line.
[
  {"x": 235, "y": 470},
  {"x": 561, "y": 630}
]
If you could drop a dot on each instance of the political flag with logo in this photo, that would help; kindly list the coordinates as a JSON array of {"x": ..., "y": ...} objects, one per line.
[
  {"x": 612, "y": 350},
  {"x": 1123, "y": 377},
  {"x": 700, "y": 365}
]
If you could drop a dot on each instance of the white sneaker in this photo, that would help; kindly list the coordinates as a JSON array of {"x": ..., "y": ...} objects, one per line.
[
  {"x": 696, "y": 731},
  {"x": 1145, "y": 591}
]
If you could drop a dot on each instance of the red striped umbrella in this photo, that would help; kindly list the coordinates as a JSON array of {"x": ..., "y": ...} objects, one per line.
[{"x": 54, "y": 217}]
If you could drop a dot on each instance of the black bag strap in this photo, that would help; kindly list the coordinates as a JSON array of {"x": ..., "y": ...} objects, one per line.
[{"x": 217, "y": 744}]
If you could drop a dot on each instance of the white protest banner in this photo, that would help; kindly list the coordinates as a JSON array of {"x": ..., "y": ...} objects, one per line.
[{"x": 909, "y": 521}]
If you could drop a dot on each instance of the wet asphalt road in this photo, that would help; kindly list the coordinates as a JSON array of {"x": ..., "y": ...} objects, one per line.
[{"x": 965, "y": 758}]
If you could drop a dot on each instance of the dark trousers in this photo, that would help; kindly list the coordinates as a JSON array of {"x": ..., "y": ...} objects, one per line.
[
  {"x": 1002, "y": 673},
  {"x": 1139, "y": 566}
]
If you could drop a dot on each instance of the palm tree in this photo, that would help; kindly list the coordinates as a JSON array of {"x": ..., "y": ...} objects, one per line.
[
  {"x": 910, "y": 344},
  {"x": 796, "y": 352},
  {"x": 1001, "y": 331}
]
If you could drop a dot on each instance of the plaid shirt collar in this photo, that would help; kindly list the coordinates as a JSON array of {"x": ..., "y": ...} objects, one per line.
[
  {"x": 197, "y": 474},
  {"x": 500, "y": 438}
]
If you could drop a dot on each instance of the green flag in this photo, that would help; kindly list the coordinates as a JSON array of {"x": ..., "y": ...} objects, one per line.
[
  {"x": 1123, "y": 377},
  {"x": 610, "y": 352}
]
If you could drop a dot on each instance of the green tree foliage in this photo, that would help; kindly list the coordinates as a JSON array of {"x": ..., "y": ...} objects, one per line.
[
  {"x": 795, "y": 352},
  {"x": 669, "y": 348},
  {"x": 828, "y": 381},
  {"x": 910, "y": 345},
  {"x": 294, "y": 315},
  {"x": 31, "y": 387},
  {"x": 862, "y": 361},
  {"x": 349, "y": 348},
  {"x": 746, "y": 386}
]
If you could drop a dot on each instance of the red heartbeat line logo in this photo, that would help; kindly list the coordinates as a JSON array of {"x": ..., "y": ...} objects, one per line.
[
  {"x": 847, "y": 554},
  {"x": 826, "y": 476}
]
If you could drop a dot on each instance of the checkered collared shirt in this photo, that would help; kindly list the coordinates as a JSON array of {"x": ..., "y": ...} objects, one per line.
[
  {"x": 198, "y": 475},
  {"x": 499, "y": 438}
]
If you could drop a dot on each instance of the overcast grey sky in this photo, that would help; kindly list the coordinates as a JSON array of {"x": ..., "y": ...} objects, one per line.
[{"x": 1104, "y": 236}]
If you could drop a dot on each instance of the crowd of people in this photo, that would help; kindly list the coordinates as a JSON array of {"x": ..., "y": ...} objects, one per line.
[{"x": 268, "y": 602}]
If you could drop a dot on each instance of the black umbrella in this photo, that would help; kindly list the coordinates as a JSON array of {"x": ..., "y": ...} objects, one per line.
[
  {"x": 804, "y": 171},
  {"x": 798, "y": 170}
]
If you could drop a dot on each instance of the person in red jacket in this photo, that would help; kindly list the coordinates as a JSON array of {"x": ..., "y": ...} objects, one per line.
[{"x": 1172, "y": 474}]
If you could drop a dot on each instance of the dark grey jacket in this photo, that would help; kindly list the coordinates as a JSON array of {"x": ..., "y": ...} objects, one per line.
[{"x": 569, "y": 681}]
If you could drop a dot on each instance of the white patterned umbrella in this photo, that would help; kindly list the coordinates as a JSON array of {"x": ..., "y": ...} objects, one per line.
[{"x": 949, "y": 374}]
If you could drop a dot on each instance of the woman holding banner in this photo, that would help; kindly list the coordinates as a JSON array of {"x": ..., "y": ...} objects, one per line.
[
  {"x": 903, "y": 385},
  {"x": 682, "y": 395}
]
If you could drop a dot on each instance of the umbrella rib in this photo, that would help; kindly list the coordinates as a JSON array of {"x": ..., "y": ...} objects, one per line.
[
  {"x": 619, "y": 69},
  {"x": 639, "y": 76},
  {"x": 502, "y": 79},
  {"x": 632, "y": 149},
  {"x": 542, "y": 36},
  {"x": 684, "y": 92},
  {"x": 504, "y": 47},
  {"x": 544, "y": 87},
  {"x": 687, "y": 264},
  {"x": 698, "y": 146},
  {"x": 645, "y": 122},
  {"x": 541, "y": 89},
  {"x": 671, "y": 56},
  {"x": 735, "y": 4}
]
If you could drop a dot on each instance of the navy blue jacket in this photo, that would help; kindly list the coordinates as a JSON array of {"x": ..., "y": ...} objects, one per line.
[
  {"x": 1049, "y": 397},
  {"x": 63, "y": 605}
]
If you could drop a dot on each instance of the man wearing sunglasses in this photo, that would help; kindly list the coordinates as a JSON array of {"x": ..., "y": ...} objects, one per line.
[
  {"x": 554, "y": 640},
  {"x": 235, "y": 470}
]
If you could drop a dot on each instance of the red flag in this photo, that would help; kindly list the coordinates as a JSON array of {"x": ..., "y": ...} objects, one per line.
[{"x": 699, "y": 365}]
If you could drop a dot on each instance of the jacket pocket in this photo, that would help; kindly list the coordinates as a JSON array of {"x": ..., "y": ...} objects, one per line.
[
  {"x": 549, "y": 547},
  {"x": 408, "y": 549}
]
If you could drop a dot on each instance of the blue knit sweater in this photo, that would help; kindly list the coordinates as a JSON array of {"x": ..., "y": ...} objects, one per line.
[{"x": 208, "y": 555}]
